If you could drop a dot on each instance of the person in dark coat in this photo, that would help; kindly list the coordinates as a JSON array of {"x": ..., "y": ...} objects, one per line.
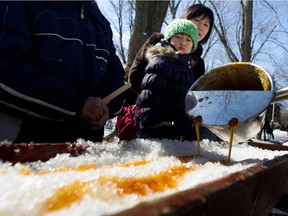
[
  {"x": 57, "y": 63},
  {"x": 203, "y": 18},
  {"x": 168, "y": 76},
  {"x": 267, "y": 130}
]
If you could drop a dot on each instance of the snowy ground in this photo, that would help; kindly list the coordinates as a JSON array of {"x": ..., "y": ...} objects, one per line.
[{"x": 280, "y": 137}]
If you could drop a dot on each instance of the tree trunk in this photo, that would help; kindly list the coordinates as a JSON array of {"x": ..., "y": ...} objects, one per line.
[
  {"x": 149, "y": 18},
  {"x": 247, "y": 23}
]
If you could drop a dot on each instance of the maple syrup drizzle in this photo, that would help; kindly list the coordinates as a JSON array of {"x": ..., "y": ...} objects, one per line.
[
  {"x": 232, "y": 125},
  {"x": 69, "y": 194},
  {"x": 198, "y": 122}
]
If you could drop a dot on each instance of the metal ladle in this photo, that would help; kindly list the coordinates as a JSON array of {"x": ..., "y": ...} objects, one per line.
[{"x": 239, "y": 91}]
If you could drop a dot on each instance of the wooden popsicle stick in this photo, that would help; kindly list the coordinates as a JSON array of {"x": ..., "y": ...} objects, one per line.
[{"x": 117, "y": 92}]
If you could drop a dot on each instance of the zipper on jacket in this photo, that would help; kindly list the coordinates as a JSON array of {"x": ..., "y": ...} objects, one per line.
[{"x": 82, "y": 11}]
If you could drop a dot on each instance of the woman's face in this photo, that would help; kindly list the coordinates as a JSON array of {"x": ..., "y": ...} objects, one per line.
[{"x": 203, "y": 25}]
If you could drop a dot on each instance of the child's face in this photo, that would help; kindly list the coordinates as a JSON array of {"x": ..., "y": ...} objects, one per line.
[{"x": 182, "y": 42}]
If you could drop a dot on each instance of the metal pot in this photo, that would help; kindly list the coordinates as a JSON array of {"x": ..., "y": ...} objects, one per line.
[{"x": 240, "y": 91}]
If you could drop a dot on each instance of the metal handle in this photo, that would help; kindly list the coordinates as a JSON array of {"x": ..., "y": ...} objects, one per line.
[{"x": 281, "y": 94}]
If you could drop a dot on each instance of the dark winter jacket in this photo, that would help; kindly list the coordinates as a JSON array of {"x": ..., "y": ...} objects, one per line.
[
  {"x": 136, "y": 73},
  {"x": 168, "y": 77},
  {"x": 53, "y": 56}
]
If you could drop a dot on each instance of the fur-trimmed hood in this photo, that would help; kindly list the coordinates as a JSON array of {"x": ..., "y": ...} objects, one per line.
[{"x": 154, "y": 51}]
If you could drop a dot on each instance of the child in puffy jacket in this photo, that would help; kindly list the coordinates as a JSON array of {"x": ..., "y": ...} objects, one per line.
[{"x": 168, "y": 77}]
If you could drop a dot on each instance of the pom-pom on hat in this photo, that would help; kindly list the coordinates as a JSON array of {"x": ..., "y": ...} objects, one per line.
[{"x": 182, "y": 26}]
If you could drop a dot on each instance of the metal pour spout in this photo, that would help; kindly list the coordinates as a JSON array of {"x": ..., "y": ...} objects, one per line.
[{"x": 239, "y": 90}]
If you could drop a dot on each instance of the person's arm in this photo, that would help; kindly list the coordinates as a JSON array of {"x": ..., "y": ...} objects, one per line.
[
  {"x": 199, "y": 69},
  {"x": 198, "y": 62},
  {"x": 48, "y": 71},
  {"x": 114, "y": 74},
  {"x": 23, "y": 87},
  {"x": 113, "y": 80}
]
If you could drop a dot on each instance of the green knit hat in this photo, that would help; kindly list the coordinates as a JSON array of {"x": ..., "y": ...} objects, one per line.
[{"x": 182, "y": 26}]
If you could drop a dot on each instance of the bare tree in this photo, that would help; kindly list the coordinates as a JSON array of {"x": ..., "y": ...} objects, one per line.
[
  {"x": 250, "y": 37},
  {"x": 118, "y": 7},
  {"x": 284, "y": 118},
  {"x": 173, "y": 6},
  {"x": 281, "y": 71},
  {"x": 246, "y": 34},
  {"x": 131, "y": 14},
  {"x": 221, "y": 29},
  {"x": 149, "y": 18}
]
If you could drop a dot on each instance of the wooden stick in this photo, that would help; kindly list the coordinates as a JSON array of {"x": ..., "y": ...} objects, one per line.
[{"x": 117, "y": 92}]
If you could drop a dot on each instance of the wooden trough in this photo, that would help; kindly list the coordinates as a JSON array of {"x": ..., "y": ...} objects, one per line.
[{"x": 251, "y": 192}]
